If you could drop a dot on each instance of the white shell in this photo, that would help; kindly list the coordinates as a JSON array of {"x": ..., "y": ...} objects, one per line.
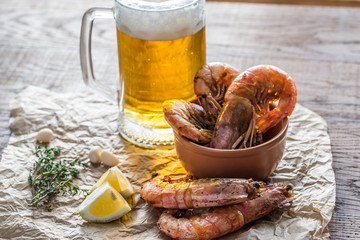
[
  {"x": 44, "y": 136},
  {"x": 95, "y": 155},
  {"x": 109, "y": 159}
]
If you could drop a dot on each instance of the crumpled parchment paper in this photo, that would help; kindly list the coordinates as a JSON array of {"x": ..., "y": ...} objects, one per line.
[{"x": 83, "y": 120}]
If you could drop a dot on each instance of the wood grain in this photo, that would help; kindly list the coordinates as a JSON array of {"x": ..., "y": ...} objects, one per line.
[
  {"x": 349, "y": 3},
  {"x": 318, "y": 45}
]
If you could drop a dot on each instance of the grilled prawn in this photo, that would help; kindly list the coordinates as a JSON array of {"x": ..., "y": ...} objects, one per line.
[
  {"x": 196, "y": 122},
  {"x": 183, "y": 192},
  {"x": 210, "y": 85},
  {"x": 189, "y": 120},
  {"x": 272, "y": 95},
  {"x": 219, "y": 221}
]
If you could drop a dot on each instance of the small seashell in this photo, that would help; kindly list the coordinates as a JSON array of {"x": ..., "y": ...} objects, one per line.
[
  {"x": 95, "y": 155},
  {"x": 109, "y": 159},
  {"x": 44, "y": 136}
]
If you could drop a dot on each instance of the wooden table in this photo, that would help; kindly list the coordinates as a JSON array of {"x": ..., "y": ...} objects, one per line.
[{"x": 319, "y": 46}]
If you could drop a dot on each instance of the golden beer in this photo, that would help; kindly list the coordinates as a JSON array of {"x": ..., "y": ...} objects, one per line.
[
  {"x": 152, "y": 71},
  {"x": 161, "y": 45}
]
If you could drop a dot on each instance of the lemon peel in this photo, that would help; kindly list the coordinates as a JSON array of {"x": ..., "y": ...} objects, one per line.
[
  {"x": 104, "y": 204},
  {"x": 117, "y": 180}
]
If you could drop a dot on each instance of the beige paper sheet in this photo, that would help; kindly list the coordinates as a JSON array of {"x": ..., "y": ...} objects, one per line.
[{"x": 83, "y": 120}]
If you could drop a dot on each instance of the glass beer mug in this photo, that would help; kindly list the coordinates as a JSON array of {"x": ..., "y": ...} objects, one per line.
[{"x": 161, "y": 45}]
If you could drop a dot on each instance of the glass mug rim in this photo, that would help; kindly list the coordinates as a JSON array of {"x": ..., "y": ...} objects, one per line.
[{"x": 170, "y": 7}]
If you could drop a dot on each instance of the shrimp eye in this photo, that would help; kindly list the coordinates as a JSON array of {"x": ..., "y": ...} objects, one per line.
[
  {"x": 289, "y": 187},
  {"x": 256, "y": 185},
  {"x": 180, "y": 213},
  {"x": 155, "y": 174}
]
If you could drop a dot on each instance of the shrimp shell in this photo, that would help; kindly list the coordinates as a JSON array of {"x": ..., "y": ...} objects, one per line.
[
  {"x": 188, "y": 119},
  {"x": 233, "y": 121},
  {"x": 220, "y": 221},
  {"x": 210, "y": 85},
  {"x": 182, "y": 192},
  {"x": 264, "y": 85}
]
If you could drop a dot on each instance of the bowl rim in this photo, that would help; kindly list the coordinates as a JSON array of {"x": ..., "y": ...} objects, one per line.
[{"x": 200, "y": 148}]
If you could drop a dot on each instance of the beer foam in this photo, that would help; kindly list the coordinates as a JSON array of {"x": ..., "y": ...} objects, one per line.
[{"x": 159, "y": 19}]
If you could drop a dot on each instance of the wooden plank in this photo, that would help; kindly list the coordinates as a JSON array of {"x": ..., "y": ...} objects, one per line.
[
  {"x": 348, "y": 3},
  {"x": 318, "y": 46}
]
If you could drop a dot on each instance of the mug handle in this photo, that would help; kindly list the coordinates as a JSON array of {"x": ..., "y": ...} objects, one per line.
[{"x": 85, "y": 52}]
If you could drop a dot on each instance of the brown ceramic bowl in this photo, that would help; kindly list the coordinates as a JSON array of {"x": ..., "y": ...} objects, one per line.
[{"x": 256, "y": 162}]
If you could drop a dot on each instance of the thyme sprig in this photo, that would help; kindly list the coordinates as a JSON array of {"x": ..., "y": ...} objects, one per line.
[{"x": 51, "y": 176}]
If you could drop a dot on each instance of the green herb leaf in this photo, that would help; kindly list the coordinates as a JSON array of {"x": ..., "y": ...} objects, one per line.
[{"x": 50, "y": 177}]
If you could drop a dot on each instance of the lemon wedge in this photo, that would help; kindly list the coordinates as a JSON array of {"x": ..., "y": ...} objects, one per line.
[
  {"x": 116, "y": 178},
  {"x": 104, "y": 204}
]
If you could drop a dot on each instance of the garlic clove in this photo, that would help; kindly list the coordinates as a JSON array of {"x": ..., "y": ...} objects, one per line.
[
  {"x": 44, "y": 135},
  {"x": 109, "y": 159},
  {"x": 95, "y": 155}
]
